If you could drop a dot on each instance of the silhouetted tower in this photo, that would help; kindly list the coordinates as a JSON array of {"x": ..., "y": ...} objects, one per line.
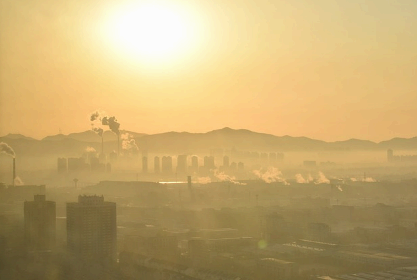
[
  {"x": 14, "y": 171},
  {"x": 40, "y": 224},
  {"x": 118, "y": 145},
  {"x": 156, "y": 165},
  {"x": 190, "y": 188},
  {"x": 145, "y": 164}
]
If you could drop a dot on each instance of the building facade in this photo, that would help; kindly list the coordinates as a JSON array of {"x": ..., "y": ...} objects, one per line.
[
  {"x": 40, "y": 224},
  {"x": 91, "y": 228}
]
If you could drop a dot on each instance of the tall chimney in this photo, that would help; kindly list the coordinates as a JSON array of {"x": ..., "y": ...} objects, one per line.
[
  {"x": 118, "y": 145},
  {"x": 102, "y": 145},
  {"x": 14, "y": 170},
  {"x": 190, "y": 189},
  {"x": 189, "y": 182}
]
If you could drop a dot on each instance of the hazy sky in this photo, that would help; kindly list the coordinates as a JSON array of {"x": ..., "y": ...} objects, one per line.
[{"x": 327, "y": 69}]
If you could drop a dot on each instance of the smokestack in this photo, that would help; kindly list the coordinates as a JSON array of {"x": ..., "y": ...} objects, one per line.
[
  {"x": 118, "y": 145},
  {"x": 102, "y": 145},
  {"x": 190, "y": 188},
  {"x": 14, "y": 170}
]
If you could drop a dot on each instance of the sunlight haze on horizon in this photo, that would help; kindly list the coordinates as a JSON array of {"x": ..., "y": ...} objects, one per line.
[{"x": 329, "y": 70}]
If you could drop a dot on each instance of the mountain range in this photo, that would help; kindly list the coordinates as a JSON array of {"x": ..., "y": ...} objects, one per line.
[{"x": 185, "y": 142}]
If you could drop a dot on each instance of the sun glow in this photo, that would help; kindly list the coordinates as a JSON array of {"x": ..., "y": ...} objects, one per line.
[{"x": 152, "y": 32}]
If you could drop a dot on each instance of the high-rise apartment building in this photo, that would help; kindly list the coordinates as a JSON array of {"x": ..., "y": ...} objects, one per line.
[
  {"x": 145, "y": 164},
  {"x": 40, "y": 224},
  {"x": 91, "y": 228}
]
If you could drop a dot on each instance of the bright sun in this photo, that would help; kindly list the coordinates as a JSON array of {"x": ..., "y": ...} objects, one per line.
[{"x": 152, "y": 32}]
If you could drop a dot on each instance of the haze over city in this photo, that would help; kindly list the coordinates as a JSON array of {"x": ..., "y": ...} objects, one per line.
[{"x": 208, "y": 140}]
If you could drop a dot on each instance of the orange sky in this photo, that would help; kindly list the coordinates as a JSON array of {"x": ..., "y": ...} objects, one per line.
[{"x": 326, "y": 69}]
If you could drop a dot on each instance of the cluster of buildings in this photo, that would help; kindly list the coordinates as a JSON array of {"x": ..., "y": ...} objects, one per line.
[
  {"x": 400, "y": 158},
  {"x": 169, "y": 165},
  {"x": 189, "y": 165},
  {"x": 83, "y": 164},
  {"x": 91, "y": 227}
]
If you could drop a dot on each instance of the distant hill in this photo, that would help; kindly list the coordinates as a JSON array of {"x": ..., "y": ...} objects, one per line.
[
  {"x": 185, "y": 142},
  {"x": 90, "y": 136},
  {"x": 15, "y": 136},
  {"x": 399, "y": 144}
]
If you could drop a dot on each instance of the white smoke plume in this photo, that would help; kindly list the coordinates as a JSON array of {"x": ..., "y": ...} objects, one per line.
[
  {"x": 203, "y": 180},
  {"x": 18, "y": 181},
  {"x": 366, "y": 179},
  {"x": 322, "y": 179},
  {"x": 128, "y": 143},
  {"x": 6, "y": 149},
  {"x": 369, "y": 180},
  {"x": 339, "y": 188},
  {"x": 90, "y": 150},
  {"x": 270, "y": 175},
  {"x": 223, "y": 177},
  {"x": 300, "y": 179}
]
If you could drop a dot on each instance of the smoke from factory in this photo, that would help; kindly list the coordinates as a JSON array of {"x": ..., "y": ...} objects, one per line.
[
  {"x": 223, "y": 177},
  {"x": 322, "y": 179},
  {"x": 17, "y": 181},
  {"x": 96, "y": 122},
  {"x": 300, "y": 179},
  {"x": 270, "y": 175},
  {"x": 365, "y": 179},
  {"x": 203, "y": 180},
  {"x": 90, "y": 150},
  {"x": 112, "y": 123},
  {"x": 97, "y": 126},
  {"x": 99, "y": 119},
  {"x": 128, "y": 143},
  {"x": 6, "y": 149}
]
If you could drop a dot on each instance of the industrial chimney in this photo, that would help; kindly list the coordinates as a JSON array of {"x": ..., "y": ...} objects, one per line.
[
  {"x": 190, "y": 188},
  {"x": 118, "y": 145},
  {"x": 14, "y": 171}
]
